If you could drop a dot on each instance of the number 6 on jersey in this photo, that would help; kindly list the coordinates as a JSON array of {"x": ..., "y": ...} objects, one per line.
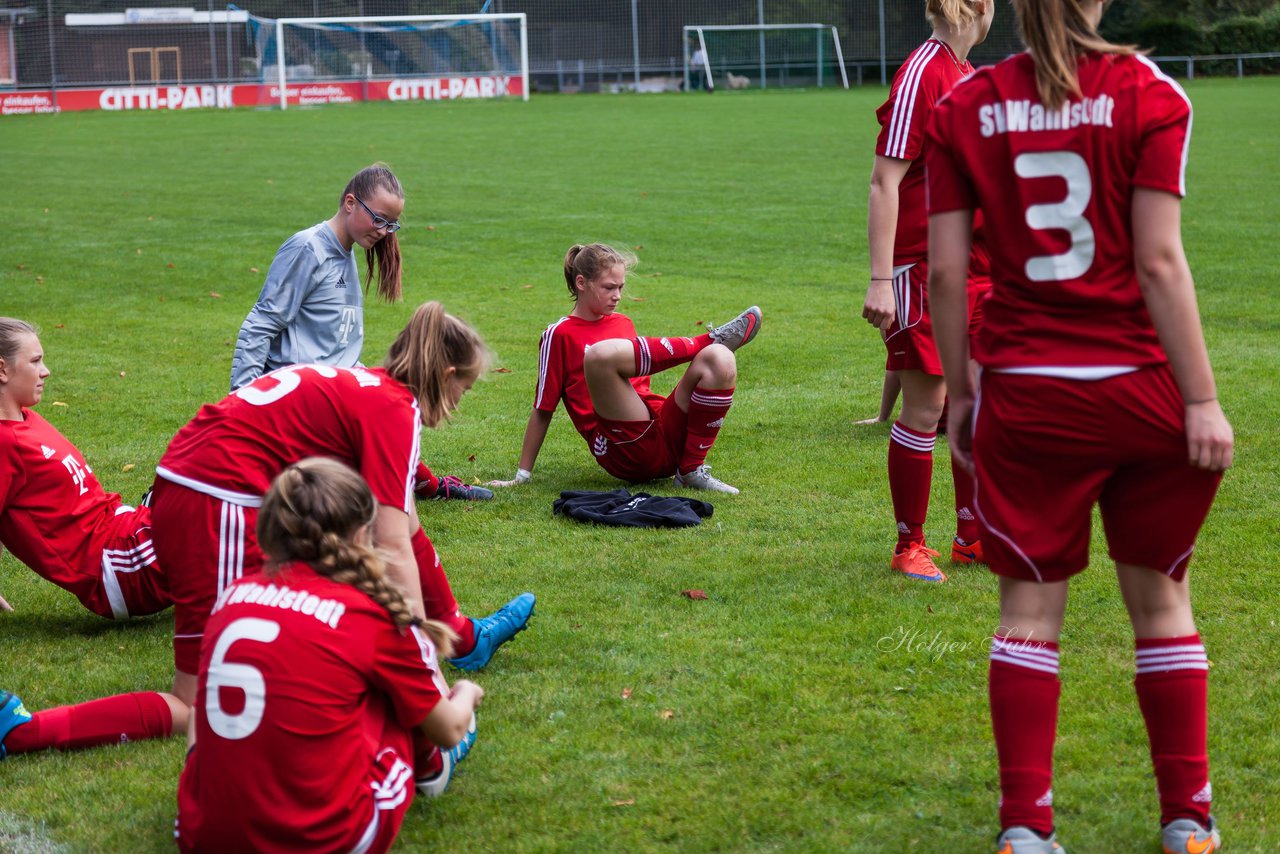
[{"x": 245, "y": 677}]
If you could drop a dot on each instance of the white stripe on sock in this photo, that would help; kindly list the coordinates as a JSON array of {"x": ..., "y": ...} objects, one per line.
[{"x": 1022, "y": 654}]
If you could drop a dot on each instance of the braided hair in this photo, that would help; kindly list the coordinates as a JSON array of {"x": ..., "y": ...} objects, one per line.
[{"x": 318, "y": 512}]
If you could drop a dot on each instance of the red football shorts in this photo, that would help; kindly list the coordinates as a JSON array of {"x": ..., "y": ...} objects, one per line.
[
  {"x": 1048, "y": 449},
  {"x": 133, "y": 581},
  {"x": 385, "y": 796},
  {"x": 910, "y": 340},
  {"x": 637, "y": 451},
  {"x": 204, "y": 543},
  {"x": 391, "y": 788}
]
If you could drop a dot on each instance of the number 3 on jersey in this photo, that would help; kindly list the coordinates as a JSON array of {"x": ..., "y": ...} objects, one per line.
[
  {"x": 244, "y": 677},
  {"x": 1067, "y": 215}
]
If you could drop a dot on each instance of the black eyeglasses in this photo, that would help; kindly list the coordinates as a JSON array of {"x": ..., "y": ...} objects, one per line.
[{"x": 392, "y": 226}]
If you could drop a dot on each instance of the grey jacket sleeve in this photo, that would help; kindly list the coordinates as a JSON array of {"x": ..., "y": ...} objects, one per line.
[{"x": 289, "y": 280}]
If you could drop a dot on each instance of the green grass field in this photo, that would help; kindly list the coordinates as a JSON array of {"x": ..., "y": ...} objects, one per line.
[{"x": 782, "y": 713}]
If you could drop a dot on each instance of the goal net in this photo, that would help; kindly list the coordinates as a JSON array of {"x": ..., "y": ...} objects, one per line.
[
  {"x": 411, "y": 57},
  {"x": 758, "y": 56}
]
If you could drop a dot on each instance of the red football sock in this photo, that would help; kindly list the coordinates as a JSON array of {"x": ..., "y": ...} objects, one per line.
[
  {"x": 910, "y": 475},
  {"x": 425, "y": 483},
  {"x": 427, "y": 760},
  {"x": 1024, "y": 689},
  {"x": 655, "y": 355},
  {"x": 437, "y": 595},
  {"x": 707, "y": 409},
  {"x": 1172, "y": 684},
  {"x": 967, "y": 527},
  {"x": 111, "y": 720}
]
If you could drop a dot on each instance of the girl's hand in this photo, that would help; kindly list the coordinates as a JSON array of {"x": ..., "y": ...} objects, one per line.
[
  {"x": 879, "y": 309},
  {"x": 1210, "y": 441},
  {"x": 522, "y": 476},
  {"x": 464, "y": 688}
]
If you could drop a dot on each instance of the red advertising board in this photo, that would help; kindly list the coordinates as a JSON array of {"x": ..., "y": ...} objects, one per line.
[{"x": 196, "y": 96}]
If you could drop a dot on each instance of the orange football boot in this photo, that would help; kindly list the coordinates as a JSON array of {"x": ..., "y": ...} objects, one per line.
[{"x": 917, "y": 562}]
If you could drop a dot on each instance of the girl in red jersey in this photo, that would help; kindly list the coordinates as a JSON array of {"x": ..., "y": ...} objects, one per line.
[
  {"x": 594, "y": 361},
  {"x": 1095, "y": 387},
  {"x": 896, "y": 302},
  {"x": 57, "y": 519},
  {"x": 321, "y": 698},
  {"x": 212, "y": 477}
]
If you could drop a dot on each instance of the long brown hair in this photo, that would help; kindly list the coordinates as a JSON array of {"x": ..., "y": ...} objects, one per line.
[
  {"x": 420, "y": 357},
  {"x": 313, "y": 513},
  {"x": 1056, "y": 33},
  {"x": 591, "y": 260},
  {"x": 385, "y": 254}
]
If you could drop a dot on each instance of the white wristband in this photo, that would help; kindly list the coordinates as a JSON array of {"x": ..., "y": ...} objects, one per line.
[{"x": 523, "y": 475}]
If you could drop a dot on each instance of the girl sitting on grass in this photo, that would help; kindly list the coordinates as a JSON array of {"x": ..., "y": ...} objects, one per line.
[
  {"x": 57, "y": 519},
  {"x": 320, "y": 698},
  {"x": 594, "y": 361}
]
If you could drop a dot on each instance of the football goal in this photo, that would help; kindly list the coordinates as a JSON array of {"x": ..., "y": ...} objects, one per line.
[
  {"x": 738, "y": 56},
  {"x": 411, "y": 57}
]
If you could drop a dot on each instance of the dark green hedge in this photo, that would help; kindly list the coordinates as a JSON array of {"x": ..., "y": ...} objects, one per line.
[{"x": 1183, "y": 36}]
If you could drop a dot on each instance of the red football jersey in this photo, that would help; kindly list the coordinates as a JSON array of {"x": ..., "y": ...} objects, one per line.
[
  {"x": 298, "y": 676},
  {"x": 560, "y": 372},
  {"x": 233, "y": 449},
  {"x": 1056, "y": 189},
  {"x": 929, "y": 73},
  {"x": 54, "y": 515}
]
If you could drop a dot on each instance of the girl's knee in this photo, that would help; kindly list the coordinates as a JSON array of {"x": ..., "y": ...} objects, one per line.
[
  {"x": 611, "y": 355},
  {"x": 717, "y": 363}
]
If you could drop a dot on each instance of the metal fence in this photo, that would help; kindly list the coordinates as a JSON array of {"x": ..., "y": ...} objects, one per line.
[
  {"x": 1222, "y": 63},
  {"x": 573, "y": 44}
]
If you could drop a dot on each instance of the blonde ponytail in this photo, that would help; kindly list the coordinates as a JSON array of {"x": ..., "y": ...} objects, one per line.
[
  {"x": 957, "y": 13},
  {"x": 420, "y": 357}
]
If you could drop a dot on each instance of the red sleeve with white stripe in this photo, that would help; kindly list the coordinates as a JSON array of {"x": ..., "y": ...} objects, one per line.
[
  {"x": 406, "y": 667},
  {"x": 550, "y": 369},
  {"x": 949, "y": 187},
  {"x": 916, "y": 89},
  {"x": 388, "y": 427},
  {"x": 1165, "y": 126}
]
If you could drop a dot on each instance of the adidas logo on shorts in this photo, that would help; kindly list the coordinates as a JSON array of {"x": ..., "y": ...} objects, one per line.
[
  {"x": 47, "y": 451},
  {"x": 600, "y": 446},
  {"x": 964, "y": 515}
]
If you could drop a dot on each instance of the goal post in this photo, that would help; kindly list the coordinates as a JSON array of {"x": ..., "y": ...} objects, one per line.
[
  {"x": 411, "y": 48},
  {"x": 804, "y": 49}
]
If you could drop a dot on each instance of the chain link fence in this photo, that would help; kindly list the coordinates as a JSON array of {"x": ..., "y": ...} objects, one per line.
[{"x": 573, "y": 45}]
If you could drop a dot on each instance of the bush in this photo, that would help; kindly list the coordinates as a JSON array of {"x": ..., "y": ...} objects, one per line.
[
  {"x": 1170, "y": 36},
  {"x": 1243, "y": 34}
]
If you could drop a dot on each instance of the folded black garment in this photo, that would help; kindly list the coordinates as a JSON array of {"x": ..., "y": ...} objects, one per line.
[{"x": 641, "y": 510}]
